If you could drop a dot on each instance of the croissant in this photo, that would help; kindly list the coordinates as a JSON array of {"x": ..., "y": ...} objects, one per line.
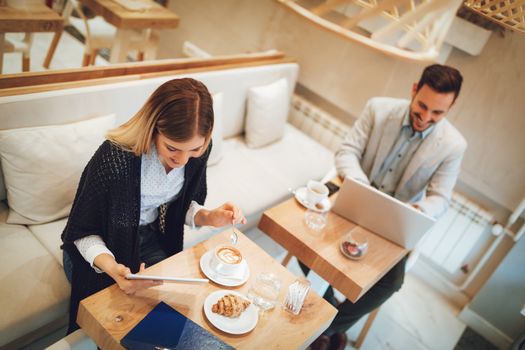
[{"x": 230, "y": 306}]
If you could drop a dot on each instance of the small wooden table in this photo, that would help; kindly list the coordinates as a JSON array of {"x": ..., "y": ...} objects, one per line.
[
  {"x": 29, "y": 16},
  {"x": 110, "y": 314},
  {"x": 125, "y": 20},
  {"x": 320, "y": 251}
]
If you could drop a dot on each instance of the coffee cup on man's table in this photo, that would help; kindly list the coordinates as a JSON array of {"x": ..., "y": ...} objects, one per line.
[
  {"x": 316, "y": 192},
  {"x": 226, "y": 260}
]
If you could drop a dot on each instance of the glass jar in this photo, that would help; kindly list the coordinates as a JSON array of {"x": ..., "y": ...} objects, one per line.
[
  {"x": 354, "y": 245},
  {"x": 315, "y": 219},
  {"x": 264, "y": 291}
]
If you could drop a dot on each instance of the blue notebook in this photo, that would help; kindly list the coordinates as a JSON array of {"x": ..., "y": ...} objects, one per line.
[{"x": 166, "y": 328}]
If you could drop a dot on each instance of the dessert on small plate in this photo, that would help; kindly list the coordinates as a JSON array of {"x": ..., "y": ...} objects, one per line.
[
  {"x": 230, "y": 311},
  {"x": 354, "y": 245}
]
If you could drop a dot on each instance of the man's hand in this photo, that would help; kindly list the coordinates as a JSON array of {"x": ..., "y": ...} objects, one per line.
[{"x": 226, "y": 214}]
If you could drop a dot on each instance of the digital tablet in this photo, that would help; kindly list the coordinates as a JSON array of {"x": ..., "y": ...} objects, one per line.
[{"x": 166, "y": 278}]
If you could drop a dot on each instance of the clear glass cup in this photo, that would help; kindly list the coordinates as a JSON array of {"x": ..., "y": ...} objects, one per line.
[
  {"x": 315, "y": 220},
  {"x": 354, "y": 245},
  {"x": 296, "y": 295},
  {"x": 264, "y": 291}
]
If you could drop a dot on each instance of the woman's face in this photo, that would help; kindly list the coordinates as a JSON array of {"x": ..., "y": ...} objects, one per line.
[{"x": 174, "y": 154}]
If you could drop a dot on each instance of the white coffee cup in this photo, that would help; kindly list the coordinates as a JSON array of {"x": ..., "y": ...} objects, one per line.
[
  {"x": 316, "y": 192},
  {"x": 227, "y": 260}
]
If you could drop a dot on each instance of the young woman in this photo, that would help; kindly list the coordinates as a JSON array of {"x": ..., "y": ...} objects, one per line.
[{"x": 139, "y": 189}]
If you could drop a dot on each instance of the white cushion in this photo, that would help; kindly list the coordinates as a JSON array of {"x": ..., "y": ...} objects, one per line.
[
  {"x": 34, "y": 290},
  {"x": 49, "y": 236},
  {"x": 42, "y": 167},
  {"x": 267, "y": 112},
  {"x": 78, "y": 340},
  {"x": 193, "y": 237},
  {"x": 216, "y": 136},
  {"x": 256, "y": 179}
]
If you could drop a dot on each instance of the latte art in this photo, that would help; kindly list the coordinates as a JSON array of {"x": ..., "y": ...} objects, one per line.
[{"x": 229, "y": 255}]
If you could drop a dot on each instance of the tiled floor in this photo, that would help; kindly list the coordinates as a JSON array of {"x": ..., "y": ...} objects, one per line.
[{"x": 415, "y": 318}]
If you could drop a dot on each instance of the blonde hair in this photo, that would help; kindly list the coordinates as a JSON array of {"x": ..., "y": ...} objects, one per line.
[{"x": 179, "y": 109}]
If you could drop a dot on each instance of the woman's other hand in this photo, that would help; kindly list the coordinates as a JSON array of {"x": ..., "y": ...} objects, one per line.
[
  {"x": 226, "y": 214},
  {"x": 131, "y": 286}
]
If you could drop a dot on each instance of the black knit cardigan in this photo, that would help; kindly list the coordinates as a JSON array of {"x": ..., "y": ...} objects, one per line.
[{"x": 107, "y": 203}]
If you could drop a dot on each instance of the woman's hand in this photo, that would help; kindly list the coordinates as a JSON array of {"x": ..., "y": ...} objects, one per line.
[
  {"x": 226, "y": 214},
  {"x": 130, "y": 286}
]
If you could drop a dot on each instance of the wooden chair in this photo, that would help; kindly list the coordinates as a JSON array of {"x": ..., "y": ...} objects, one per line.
[
  {"x": 100, "y": 34},
  {"x": 23, "y": 46}
]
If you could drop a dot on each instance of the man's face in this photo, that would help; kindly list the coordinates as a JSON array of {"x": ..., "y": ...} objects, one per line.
[{"x": 428, "y": 107}]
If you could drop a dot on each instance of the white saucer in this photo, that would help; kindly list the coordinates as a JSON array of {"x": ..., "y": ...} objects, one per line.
[
  {"x": 217, "y": 277},
  {"x": 300, "y": 195},
  {"x": 239, "y": 325}
]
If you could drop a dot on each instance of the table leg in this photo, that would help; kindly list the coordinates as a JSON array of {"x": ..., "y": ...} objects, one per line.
[
  {"x": 2, "y": 39},
  {"x": 52, "y": 48},
  {"x": 152, "y": 45},
  {"x": 93, "y": 57},
  {"x": 119, "y": 50},
  {"x": 286, "y": 259},
  {"x": 366, "y": 328},
  {"x": 317, "y": 283}
]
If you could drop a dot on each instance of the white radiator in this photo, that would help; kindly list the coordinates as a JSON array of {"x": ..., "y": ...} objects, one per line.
[
  {"x": 455, "y": 234},
  {"x": 317, "y": 123}
]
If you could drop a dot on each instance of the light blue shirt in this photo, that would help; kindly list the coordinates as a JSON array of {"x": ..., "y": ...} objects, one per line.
[
  {"x": 397, "y": 160},
  {"x": 157, "y": 187}
]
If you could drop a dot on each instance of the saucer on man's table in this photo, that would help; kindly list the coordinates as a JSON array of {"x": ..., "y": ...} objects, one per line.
[
  {"x": 324, "y": 206},
  {"x": 227, "y": 281},
  {"x": 233, "y": 325}
]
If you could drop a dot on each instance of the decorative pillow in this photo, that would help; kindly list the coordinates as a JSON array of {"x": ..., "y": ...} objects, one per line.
[
  {"x": 216, "y": 135},
  {"x": 42, "y": 167},
  {"x": 267, "y": 112}
]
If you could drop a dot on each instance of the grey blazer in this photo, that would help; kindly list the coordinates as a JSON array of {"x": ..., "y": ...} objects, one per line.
[{"x": 432, "y": 172}]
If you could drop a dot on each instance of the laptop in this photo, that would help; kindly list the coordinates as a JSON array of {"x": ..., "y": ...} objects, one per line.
[{"x": 382, "y": 214}]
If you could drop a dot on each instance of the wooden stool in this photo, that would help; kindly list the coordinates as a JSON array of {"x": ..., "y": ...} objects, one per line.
[{"x": 23, "y": 46}]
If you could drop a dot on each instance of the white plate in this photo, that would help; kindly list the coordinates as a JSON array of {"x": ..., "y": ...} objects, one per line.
[
  {"x": 217, "y": 277},
  {"x": 239, "y": 325},
  {"x": 300, "y": 195}
]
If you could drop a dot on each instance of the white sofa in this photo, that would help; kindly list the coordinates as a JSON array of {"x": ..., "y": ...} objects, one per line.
[{"x": 34, "y": 292}]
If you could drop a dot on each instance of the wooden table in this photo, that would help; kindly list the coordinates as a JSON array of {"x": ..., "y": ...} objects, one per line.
[
  {"x": 125, "y": 20},
  {"x": 100, "y": 313},
  {"x": 29, "y": 16},
  {"x": 320, "y": 251}
]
